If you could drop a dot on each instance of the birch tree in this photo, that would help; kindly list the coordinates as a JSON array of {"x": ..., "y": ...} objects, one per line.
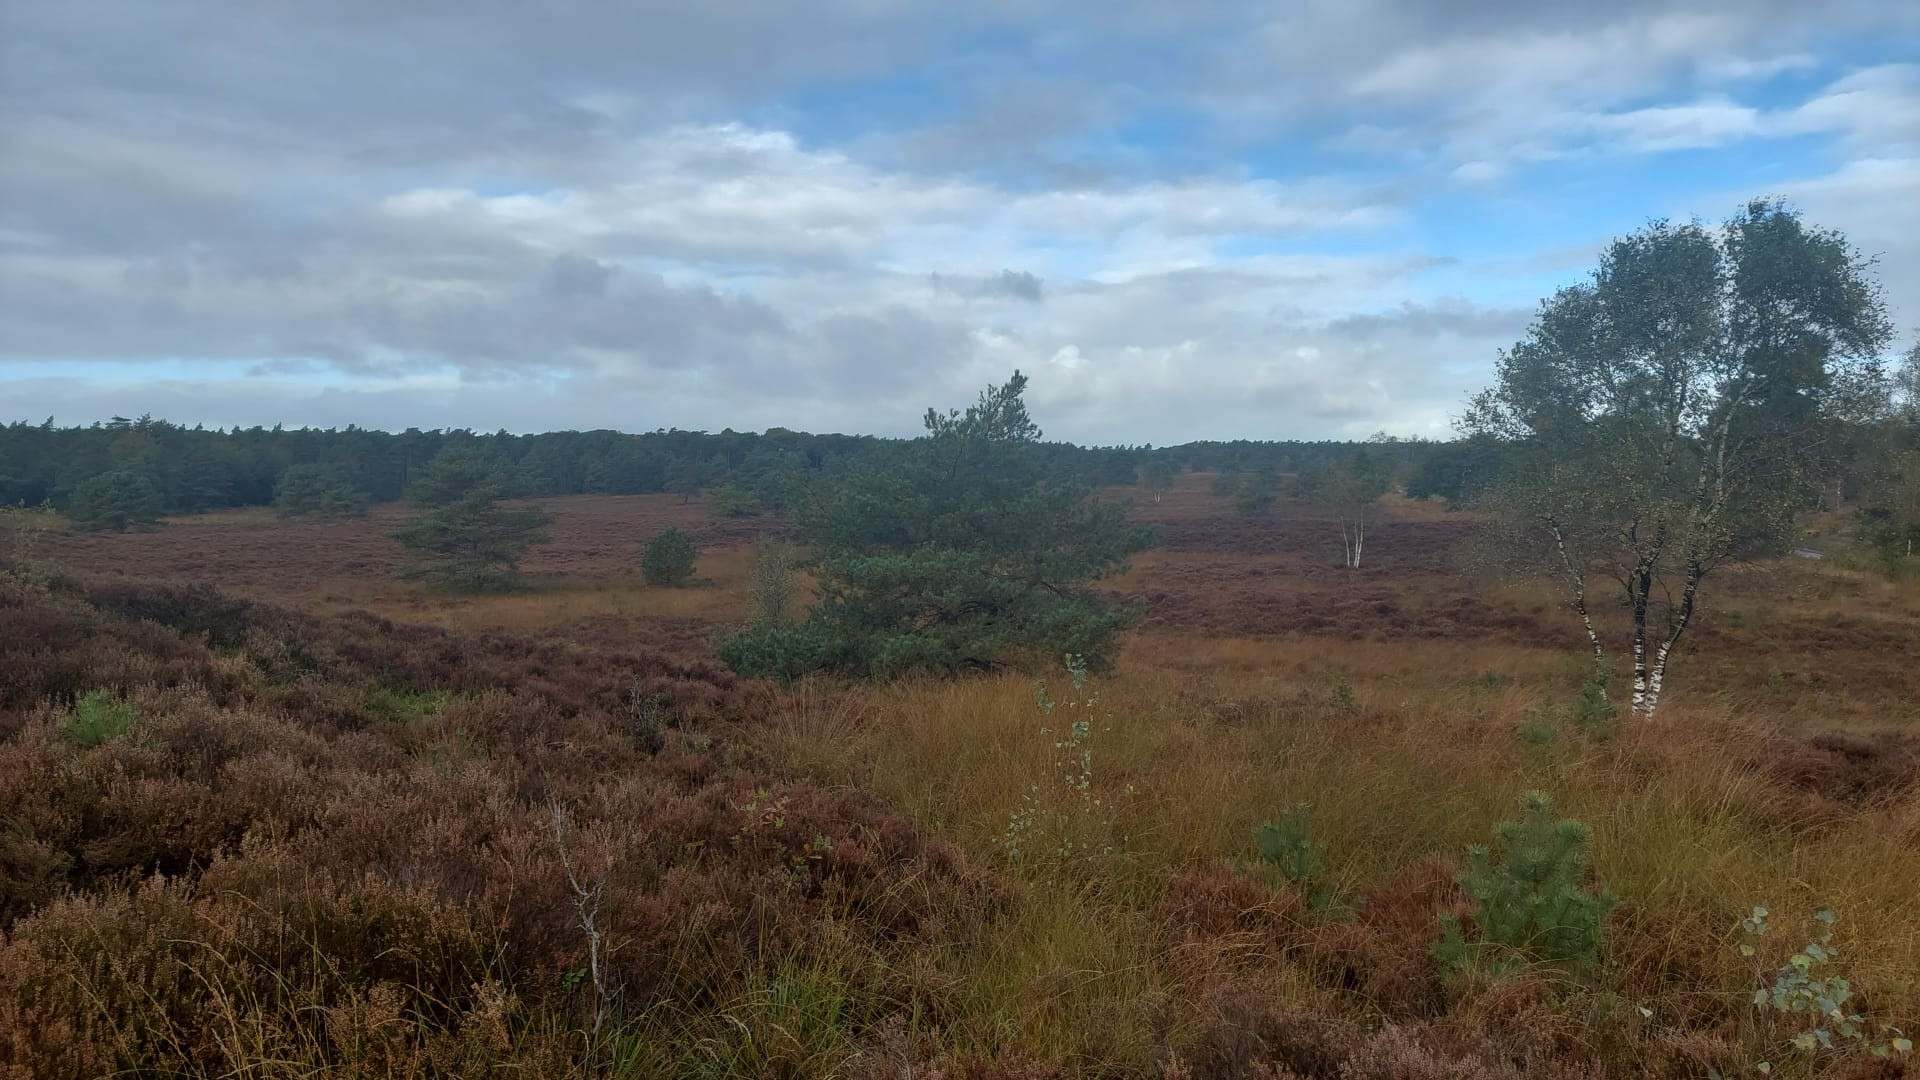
[
  {"x": 1667, "y": 415},
  {"x": 1352, "y": 488}
]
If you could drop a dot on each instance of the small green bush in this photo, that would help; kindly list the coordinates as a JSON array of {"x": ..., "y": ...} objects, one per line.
[
  {"x": 1539, "y": 729},
  {"x": 730, "y": 500},
  {"x": 775, "y": 651},
  {"x": 98, "y": 717},
  {"x": 1593, "y": 711},
  {"x": 1254, "y": 502},
  {"x": 1291, "y": 850},
  {"x": 1814, "y": 1005},
  {"x": 669, "y": 559},
  {"x": 1531, "y": 898}
]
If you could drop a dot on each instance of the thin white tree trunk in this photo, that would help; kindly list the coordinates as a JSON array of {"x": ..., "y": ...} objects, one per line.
[
  {"x": 1644, "y": 693},
  {"x": 1579, "y": 579},
  {"x": 1658, "y": 677}
]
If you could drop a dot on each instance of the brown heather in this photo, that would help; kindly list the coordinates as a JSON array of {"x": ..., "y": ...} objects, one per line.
[{"x": 358, "y": 830}]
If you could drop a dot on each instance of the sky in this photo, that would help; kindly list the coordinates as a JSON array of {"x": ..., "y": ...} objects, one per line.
[{"x": 1202, "y": 220}]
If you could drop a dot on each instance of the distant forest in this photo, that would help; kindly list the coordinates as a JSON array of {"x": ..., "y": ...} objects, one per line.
[{"x": 196, "y": 469}]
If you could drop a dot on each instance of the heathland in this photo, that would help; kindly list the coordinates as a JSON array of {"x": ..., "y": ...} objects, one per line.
[{"x": 267, "y": 810}]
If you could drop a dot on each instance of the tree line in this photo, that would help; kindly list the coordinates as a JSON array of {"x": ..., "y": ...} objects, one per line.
[{"x": 133, "y": 470}]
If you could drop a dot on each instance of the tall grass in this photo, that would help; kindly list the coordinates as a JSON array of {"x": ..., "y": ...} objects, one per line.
[{"x": 1691, "y": 829}]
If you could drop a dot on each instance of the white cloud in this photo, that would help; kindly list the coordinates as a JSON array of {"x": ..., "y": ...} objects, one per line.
[{"x": 834, "y": 217}]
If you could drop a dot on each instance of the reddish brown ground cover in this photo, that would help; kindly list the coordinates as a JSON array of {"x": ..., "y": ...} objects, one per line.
[{"x": 345, "y": 828}]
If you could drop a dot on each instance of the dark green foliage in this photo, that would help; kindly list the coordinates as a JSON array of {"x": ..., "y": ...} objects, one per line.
[
  {"x": 462, "y": 538},
  {"x": 1455, "y": 471},
  {"x": 196, "y": 469},
  {"x": 317, "y": 491},
  {"x": 1532, "y": 900},
  {"x": 669, "y": 559},
  {"x": 115, "y": 502},
  {"x": 961, "y": 553},
  {"x": 1227, "y": 484},
  {"x": 98, "y": 717},
  {"x": 1891, "y": 540},
  {"x": 1255, "y": 497},
  {"x": 731, "y": 501}
]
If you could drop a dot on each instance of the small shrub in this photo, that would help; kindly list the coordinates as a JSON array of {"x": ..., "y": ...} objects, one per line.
[
  {"x": 1342, "y": 695},
  {"x": 731, "y": 501},
  {"x": 1593, "y": 711},
  {"x": 1539, "y": 729},
  {"x": 669, "y": 559},
  {"x": 1806, "y": 997},
  {"x": 768, "y": 651},
  {"x": 115, "y": 502},
  {"x": 97, "y": 718},
  {"x": 1254, "y": 502},
  {"x": 1532, "y": 901},
  {"x": 1289, "y": 847},
  {"x": 1064, "y": 819}
]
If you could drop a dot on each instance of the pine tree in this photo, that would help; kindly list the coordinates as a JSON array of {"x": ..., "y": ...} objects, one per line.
[
  {"x": 1531, "y": 894},
  {"x": 958, "y": 552},
  {"x": 462, "y": 538}
]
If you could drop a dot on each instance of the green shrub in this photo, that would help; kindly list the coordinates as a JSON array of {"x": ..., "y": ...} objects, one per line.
[
  {"x": 1539, "y": 729},
  {"x": 98, "y": 717},
  {"x": 771, "y": 651},
  {"x": 1531, "y": 899},
  {"x": 669, "y": 559},
  {"x": 1254, "y": 502},
  {"x": 1804, "y": 1004},
  {"x": 114, "y": 502},
  {"x": 1290, "y": 849},
  {"x": 733, "y": 501},
  {"x": 1594, "y": 712}
]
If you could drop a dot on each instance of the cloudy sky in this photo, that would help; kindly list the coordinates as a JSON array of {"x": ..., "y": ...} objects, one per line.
[{"x": 1183, "y": 220}]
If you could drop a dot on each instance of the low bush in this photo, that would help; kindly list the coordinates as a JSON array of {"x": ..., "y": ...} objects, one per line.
[{"x": 669, "y": 559}]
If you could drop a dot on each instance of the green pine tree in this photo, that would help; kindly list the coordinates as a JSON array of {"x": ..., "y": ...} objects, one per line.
[
  {"x": 955, "y": 553},
  {"x": 1532, "y": 900},
  {"x": 461, "y": 537},
  {"x": 669, "y": 559}
]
